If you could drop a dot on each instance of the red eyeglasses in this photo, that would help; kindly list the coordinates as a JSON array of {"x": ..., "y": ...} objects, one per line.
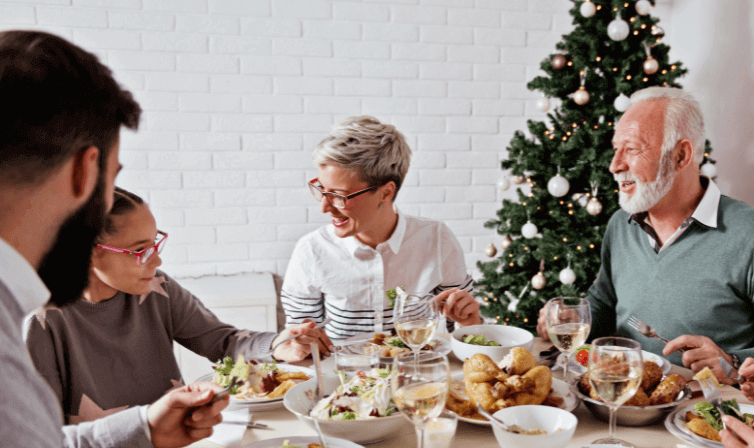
[{"x": 142, "y": 256}]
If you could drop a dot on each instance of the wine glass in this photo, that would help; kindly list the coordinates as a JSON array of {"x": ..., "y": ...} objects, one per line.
[
  {"x": 416, "y": 319},
  {"x": 568, "y": 321},
  {"x": 420, "y": 387},
  {"x": 615, "y": 370}
]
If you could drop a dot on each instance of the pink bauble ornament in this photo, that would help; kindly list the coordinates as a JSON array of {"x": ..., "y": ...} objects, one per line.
[
  {"x": 594, "y": 207},
  {"x": 558, "y": 62},
  {"x": 581, "y": 96},
  {"x": 538, "y": 281},
  {"x": 651, "y": 66}
]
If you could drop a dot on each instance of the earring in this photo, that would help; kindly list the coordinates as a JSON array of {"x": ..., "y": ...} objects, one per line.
[{"x": 380, "y": 204}]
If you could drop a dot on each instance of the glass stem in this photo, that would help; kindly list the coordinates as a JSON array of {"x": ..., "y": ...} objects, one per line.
[
  {"x": 565, "y": 369},
  {"x": 611, "y": 433},
  {"x": 420, "y": 444}
]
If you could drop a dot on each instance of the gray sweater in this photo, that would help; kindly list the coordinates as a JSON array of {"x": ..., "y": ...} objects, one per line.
[
  {"x": 703, "y": 284},
  {"x": 103, "y": 357}
]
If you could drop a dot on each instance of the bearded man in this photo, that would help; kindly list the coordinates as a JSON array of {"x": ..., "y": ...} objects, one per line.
[{"x": 679, "y": 255}]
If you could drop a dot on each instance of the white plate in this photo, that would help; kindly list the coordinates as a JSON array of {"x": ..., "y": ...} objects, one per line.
[
  {"x": 442, "y": 346},
  {"x": 599, "y": 445},
  {"x": 560, "y": 389},
  {"x": 675, "y": 422},
  {"x": 575, "y": 367},
  {"x": 302, "y": 442},
  {"x": 261, "y": 404}
]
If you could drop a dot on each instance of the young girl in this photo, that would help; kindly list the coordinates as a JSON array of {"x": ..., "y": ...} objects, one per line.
[{"x": 114, "y": 348}]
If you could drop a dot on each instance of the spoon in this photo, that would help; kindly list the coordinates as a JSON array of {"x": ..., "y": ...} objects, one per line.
[
  {"x": 491, "y": 418},
  {"x": 317, "y": 390}
]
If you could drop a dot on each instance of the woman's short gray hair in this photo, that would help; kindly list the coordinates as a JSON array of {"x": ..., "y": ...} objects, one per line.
[
  {"x": 377, "y": 152},
  {"x": 683, "y": 117}
]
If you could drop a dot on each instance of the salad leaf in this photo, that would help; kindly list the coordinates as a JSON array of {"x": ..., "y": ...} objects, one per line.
[
  {"x": 392, "y": 294},
  {"x": 479, "y": 340},
  {"x": 395, "y": 342},
  {"x": 713, "y": 417},
  {"x": 349, "y": 415},
  {"x": 224, "y": 366}
]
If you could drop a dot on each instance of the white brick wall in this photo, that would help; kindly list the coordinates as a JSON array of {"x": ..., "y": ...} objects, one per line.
[{"x": 237, "y": 92}]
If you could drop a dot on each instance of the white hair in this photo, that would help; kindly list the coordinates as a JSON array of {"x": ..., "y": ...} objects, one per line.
[
  {"x": 377, "y": 152},
  {"x": 683, "y": 117}
]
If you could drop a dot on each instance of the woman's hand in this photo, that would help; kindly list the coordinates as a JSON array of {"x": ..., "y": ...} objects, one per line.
[
  {"x": 298, "y": 349},
  {"x": 743, "y": 437},
  {"x": 460, "y": 306}
]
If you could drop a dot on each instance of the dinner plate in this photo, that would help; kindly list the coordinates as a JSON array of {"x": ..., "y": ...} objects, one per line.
[
  {"x": 442, "y": 346},
  {"x": 260, "y": 404},
  {"x": 675, "y": 422},
  {"x": 578, "y": 369},
  {"x": 560, "y": 389},
  {"x": 302, "y": 442}
]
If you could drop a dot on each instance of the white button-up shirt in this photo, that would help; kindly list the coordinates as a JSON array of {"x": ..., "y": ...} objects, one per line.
[{"x": 346, "y": 280}]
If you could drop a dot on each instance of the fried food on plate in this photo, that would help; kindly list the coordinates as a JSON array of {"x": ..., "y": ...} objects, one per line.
[
  {"x": 667, "y": 390},
  {"x": 700, "y": 426},
  {"x": 651, "y": 377},
  {"x": 640, "y": 398}
]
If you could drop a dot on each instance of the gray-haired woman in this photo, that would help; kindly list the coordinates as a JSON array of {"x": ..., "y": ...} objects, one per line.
[{"x": 342, "y": 270}]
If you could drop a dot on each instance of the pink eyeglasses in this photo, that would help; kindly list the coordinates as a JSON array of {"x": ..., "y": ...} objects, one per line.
[{"x": 143, "y": 256}]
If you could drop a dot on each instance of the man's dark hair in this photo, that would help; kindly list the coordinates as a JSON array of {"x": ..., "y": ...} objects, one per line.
[{"x": 57, "y": 99}]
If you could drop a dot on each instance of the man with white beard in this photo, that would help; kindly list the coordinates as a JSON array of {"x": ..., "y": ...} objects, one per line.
[{"x": 679, "y": 255}]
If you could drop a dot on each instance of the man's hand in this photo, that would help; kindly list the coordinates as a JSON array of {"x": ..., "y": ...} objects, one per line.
[
  {"x": 747, "y": 370},
  {"x": 542, "y": 323},
  {"x": 298, "y": 349},
  {"x": 459, "y": 306},
  {"x": 170, "y": 423},
  {"x": 745, "y": 438},
  {"x": 701, "y": 352}
]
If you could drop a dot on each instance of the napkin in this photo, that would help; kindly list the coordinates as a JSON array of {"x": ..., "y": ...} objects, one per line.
[{"x": 230, "y": 436}]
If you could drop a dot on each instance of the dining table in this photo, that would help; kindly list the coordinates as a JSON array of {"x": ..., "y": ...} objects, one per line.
[{"x": 283, "y": 423}]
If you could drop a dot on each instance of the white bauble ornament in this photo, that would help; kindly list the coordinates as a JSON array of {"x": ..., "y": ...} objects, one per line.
[
  {"x": 580, "y": 198},
  {"x": 567, "y": 276},
  {"x": 529, "y": 230},
  {"x": 543, "y": 104},
  {"x": 503, "y": 183},
  {"x": 587, "y": 9},
  {"x": 708, "y": 170},
  {"x": 594, "y": 207},
  {"x": 618, "y": 29},
  {"x": 643, "y": 7},
  {"x": 558, "y": 186},
  {"x": 518, "y": 180},
  {"x": 622, "y": 103},
  {"x": 538, "y": 281},
  {"x": 490, "y": 250},
  {"x": 651, "y": 66},
  {"x": 581, "y": 96},
  {"x": 506, "y": 242}
]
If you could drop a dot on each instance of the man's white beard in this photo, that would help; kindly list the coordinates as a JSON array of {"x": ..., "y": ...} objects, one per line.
[{"x": 647, "y": 194}]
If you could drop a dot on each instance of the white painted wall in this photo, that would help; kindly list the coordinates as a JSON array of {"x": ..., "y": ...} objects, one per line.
[{"x": 237, "y": 93}]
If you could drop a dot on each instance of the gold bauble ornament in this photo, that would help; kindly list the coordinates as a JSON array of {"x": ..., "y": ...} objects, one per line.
[
  {"x": 594, "y": 207},
  {"x": 506, "y": 242},
  {"x": 581, "y": 96},
  {"x": 538, "y": 281},
  {"x": 518, "y": 180},
  {"x": 490, "y": 250},
  {"x": 651, "y": 66}
]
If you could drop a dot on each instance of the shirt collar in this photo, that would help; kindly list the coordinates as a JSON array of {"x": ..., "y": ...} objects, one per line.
[
  {"x": 705, "y": 212},
  {"x": 394, "y": 242},
  {"x": 22, "y": 279}
]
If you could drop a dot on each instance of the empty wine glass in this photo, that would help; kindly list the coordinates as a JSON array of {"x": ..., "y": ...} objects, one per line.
[
  {"x": 615, "y": 370},
  {"x": 416, "y": 319},
  {"x": 568, "y": 321},
  {"x": 420, "y": 388}
]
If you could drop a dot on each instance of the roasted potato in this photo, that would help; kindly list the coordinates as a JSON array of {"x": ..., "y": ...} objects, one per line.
[
  {"x": 640, "y": 398},
  {"x": 651, "y": 377},
  {"x": 704, "y": 429},
  {"x": 667, "y": 390}
]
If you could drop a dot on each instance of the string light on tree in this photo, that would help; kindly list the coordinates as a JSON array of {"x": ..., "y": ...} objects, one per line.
[
  {"x": 587, "y": 9},
  {"x": 643, "y": 7},
  {"x": 490, "y": 250},
  {"x": 618, "y": 29},
  {"x": 622, "y": 103}
]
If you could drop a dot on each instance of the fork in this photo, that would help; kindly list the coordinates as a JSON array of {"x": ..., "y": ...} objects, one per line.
[
  {"x": 290, "y": 338},
  {"x": 712, "y": 394},
  {"x": 648, "y": 331}
]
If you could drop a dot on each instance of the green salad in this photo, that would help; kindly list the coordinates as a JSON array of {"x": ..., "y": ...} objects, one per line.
[
  {"x": 478, "y": 340},
  {"x": 713, "y": 417}
]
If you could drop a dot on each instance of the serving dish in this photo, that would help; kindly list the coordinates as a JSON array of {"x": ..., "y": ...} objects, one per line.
[
  {"x": 559, "y": 424},
  {"x": 578, "y": 369},
  {"x": 675, "y": 422},
  {"x": 560, "y": 389},
  {"x": 440, "y": 345},
  {"x": 632, "y": 415},
  {"x": 507, "y": 337},
  {"x": 301, "y": 399},
  {"x": 260, "y": 404}
]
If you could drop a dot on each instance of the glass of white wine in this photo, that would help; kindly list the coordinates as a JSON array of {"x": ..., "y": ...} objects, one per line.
[
  {"x": 420, "y": 388},
  {"x": 416, "y": 319},
  {"x": 568, "y": 321},
  {"x": 615, "y": 370}
]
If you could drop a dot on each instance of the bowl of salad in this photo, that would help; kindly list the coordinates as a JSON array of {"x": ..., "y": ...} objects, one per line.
[
  {"x": 494, "y": 341},
  {"x": 358, "y": 408}
]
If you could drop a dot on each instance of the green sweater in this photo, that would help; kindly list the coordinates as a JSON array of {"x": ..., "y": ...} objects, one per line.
[{"x": 702, "y": 284}]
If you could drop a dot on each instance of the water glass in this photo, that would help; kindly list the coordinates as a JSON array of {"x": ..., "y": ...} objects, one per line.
[
  {"x": 352, "y": 358},
  {"x": 439, "y": 431}
]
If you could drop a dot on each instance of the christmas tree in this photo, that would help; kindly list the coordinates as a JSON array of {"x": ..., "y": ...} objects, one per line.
[{"x": 551, "y": 237}]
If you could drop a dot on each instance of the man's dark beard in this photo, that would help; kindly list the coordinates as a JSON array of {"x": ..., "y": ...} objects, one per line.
[{"x": 65, "y": 269}]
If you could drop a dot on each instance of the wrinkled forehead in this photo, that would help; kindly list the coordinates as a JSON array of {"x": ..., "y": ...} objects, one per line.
[{"x": 642, "y": 122}]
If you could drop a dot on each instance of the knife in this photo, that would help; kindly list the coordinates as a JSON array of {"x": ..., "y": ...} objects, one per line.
[
  {"x": 727, "y": 369},
  {"x": 248, "y": 424}
]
